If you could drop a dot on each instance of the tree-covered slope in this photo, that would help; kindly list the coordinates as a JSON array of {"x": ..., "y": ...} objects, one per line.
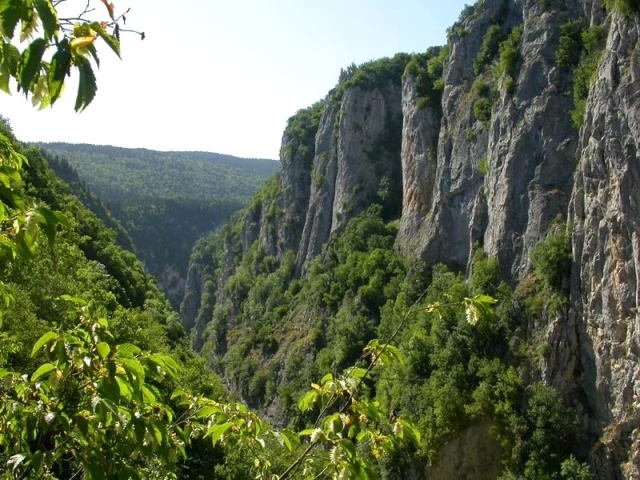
[
  {"x": 85, "y": 264},
  {"x": 125, "y": 174},
  {"x": 162, "y": 201},
  {"x": 98, "y": 381}
]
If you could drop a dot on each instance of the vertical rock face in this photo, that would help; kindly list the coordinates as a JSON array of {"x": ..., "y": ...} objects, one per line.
[
  {"x": 420, "y": 131},
  {"x": 605, "y": 221},
  {"x": 369, "y": 139},
  {"x": 531, "y": 148},
  {"x": 527, "y": 148},
  {"x": 319, "y": 218},
  {"x": 501, "y": 180},
  {"x": 357, "y": 161}
]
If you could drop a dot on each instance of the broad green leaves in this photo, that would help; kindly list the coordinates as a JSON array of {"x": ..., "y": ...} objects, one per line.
[
  {"x": 42, "y": 341},
  {"x": 49, "y": 18},
  {"x": 30, "y": 63},
  {"x": 61, "y": 45},
  {"x": 102, "y": 404},
  {"x": 43, "y": 371},
  {"x": 86, "y": 396}
]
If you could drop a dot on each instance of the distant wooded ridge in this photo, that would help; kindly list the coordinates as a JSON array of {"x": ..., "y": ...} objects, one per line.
[{"x": 118, "y": 173}]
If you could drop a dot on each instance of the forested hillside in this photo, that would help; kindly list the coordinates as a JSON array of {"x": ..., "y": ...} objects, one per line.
[
  {"x": 97, "y": 377},
  {"x": 85, "y": 272},
  {"x": 119, "y": 174},
  {"x": 164, "y": 200}
]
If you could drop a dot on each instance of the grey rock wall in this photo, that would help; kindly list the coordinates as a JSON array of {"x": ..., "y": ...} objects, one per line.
[{"x": 604, "y": 217}]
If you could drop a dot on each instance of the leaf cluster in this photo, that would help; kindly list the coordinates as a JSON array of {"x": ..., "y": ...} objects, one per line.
[{"x": 41, "y": 68}]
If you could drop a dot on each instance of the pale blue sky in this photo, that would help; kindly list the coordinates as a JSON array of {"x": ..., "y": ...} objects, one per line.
[{"x": 224, "y": 76}]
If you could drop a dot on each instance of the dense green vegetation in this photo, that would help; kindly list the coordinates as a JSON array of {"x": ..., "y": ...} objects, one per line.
[
  {"x": 593, "y": 39},
  {"x": 373, "y": 74},
  {"x": 509, "y": 57},
  {"x": 97, "y": 376},
  {"x": 159, "y": 203},
  {"x": 125, "y": 174},
  {"x": 627, "y": 7},
  {"x": 120, "y": 393},
  {"x": 83, "y": 268},
  {"x": 301, "y": 129},
  {"x": 506, "y": 50},
  {"x": 579, "y": 51},
  {"x": 427, "y": 71},
  {"x": 463, "y": 365},
  {"x": 489, "y": 48},
  {"x": 570, "y": 44}
]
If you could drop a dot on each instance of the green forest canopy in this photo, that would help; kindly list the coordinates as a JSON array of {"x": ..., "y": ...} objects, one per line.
[{"x": 124, "y": 174}]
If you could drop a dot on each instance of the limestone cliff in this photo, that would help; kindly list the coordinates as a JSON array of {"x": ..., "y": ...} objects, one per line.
[{"x": 491, "y": 141}]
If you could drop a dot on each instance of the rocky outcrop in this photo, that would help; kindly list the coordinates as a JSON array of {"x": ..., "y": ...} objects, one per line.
[
  {"x": 604, "y": 217},
  {"x": 527, "y": 148},
  {"x": 357, "y": 162}
]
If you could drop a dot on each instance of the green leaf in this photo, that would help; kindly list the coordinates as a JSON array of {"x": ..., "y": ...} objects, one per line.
[
  {"x": 112, "y": 41},
  {"x": 287, "y": 443},
  {"x": 58, "y": 70},
  {"x": 11, "y": 12},
  {"x": 76, "y": 300},
  {"x": 217, "y": 431},
  {"x": 127, "y": 350},
  {"x": 36, "y": 462},
  {"x": 42, "y": 341},
  {"x": 157, "y": 434},
  {"x": 94, "y": 53},
  {"x": 349, "y": 448},
  {"x": 48, "y": 17},
  {"x": 9, "y": 67},
  {"x": 110, "y": 389},
  {"x": 134, "y": 370},
  {"x": 307, "y": 401},
  {"x": 288, "y": 437},
  {"x": 87, "y": 86},
  {"x": 126, "y": 388},
  {"x": 412, "y": 432},
  {"x": 30, "y": 63},
  {"x": 177, "y": 393},
  {"x": 485, "y": 299},
  {"x": 44, "y": 370},
  {"x": 48, "y": 222},
  {"x": 207, "y": 412},
  {"x": 395, "y": 353},
  {"x": 148, "y": 395},
  {"x": 103, "y": 349},
  {"x": 326, "y": 379},
  {"x": 83, "y": 425},
  {"x": 356, "y": 372}
]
